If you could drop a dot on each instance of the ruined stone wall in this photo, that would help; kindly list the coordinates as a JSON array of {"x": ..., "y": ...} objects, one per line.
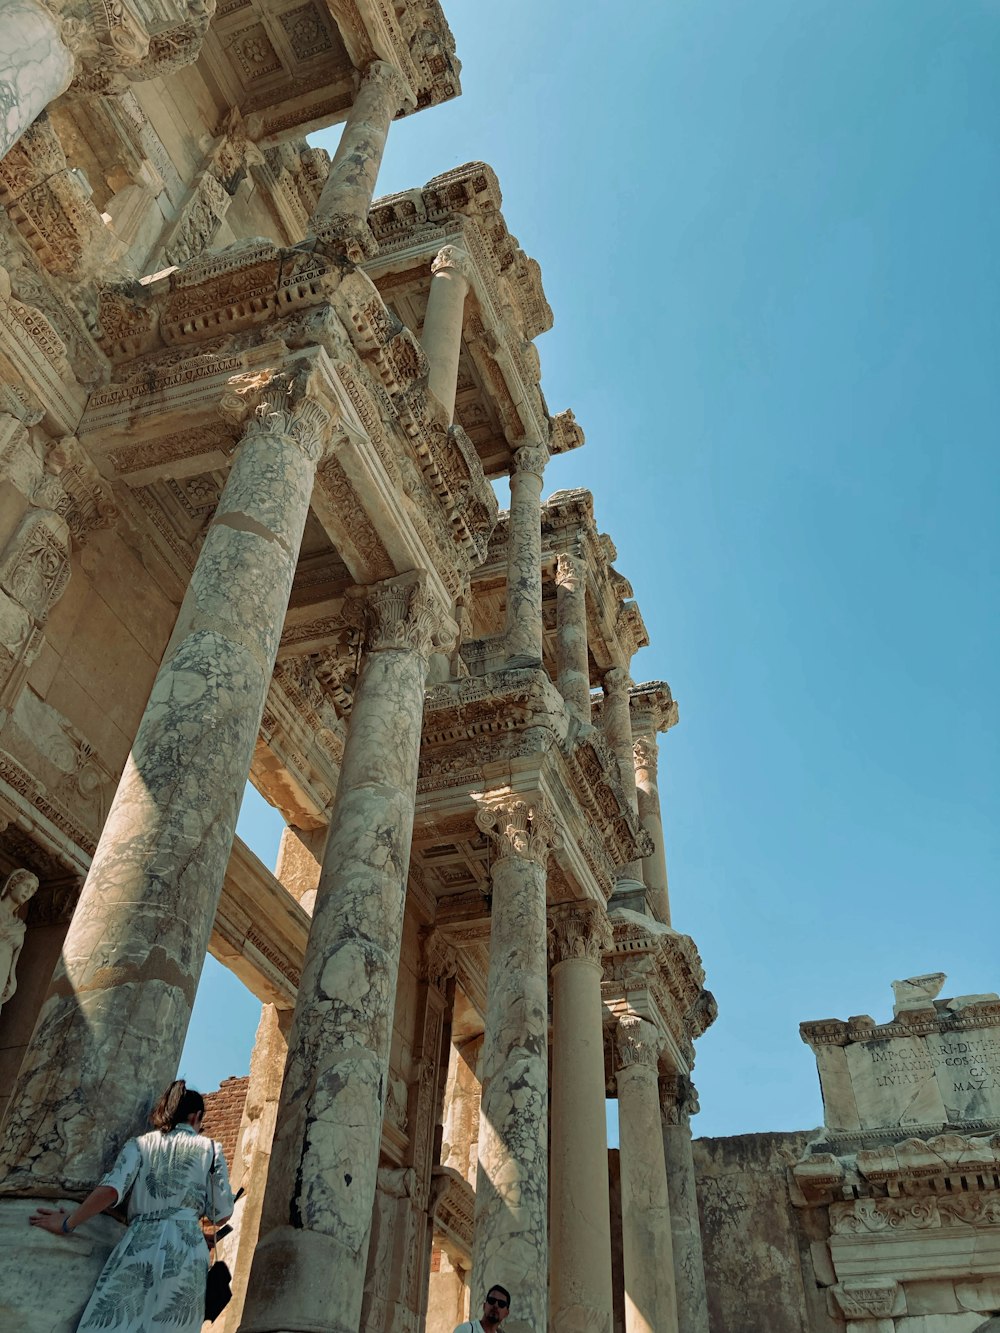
[{"x": 760, "y": 1264}]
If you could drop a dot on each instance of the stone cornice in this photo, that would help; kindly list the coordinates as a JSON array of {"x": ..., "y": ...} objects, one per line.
[
  {"x": 413, "y": 35},
  {"x": 653, "y": 707},
  {"x": 981, "y": 1013}
]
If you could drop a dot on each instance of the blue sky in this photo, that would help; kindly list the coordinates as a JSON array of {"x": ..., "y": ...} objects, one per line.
[{"x": 768, "y": 234}]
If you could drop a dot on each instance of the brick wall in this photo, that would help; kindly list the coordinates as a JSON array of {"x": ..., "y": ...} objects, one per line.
[{"x": 223, "y": 1113}]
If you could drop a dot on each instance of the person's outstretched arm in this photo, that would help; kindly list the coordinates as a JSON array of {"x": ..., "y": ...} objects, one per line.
[{"x": 61, "y": 1222}]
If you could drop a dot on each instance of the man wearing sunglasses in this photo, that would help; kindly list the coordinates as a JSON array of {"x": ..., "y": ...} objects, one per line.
[{"x": 496, "y": 1308}]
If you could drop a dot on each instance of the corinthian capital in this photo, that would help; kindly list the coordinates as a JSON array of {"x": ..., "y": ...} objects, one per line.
[
  {"x": 578, "y": 930},
  {"x": 269, "y": 404},
  {"x": 637, "y": 1043},
  {"x": 455, "y": 259},
  {"x": 390, "y": 83},
  {"x": 571, "y": 572},
  {"x": 678, "y": 1099},
  {"x": 531, "y": 458},
  {"x": 398, "y": 614},
  {"x": 518, "y": 827},
  {"x": 646, "y": 754}
]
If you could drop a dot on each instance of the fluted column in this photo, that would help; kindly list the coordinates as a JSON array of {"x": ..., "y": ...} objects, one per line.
[
  {"x": 645, "y": 753},
  {"x": 678, "y": 1102},
  {"x": 581, "y": 1290},
  {"x": 341, "y": 215},
  {"x": 571, "y": 635},
  {"x": 647, "y": 1255},
  {"x": 36, "y": 66},
  {"x": 524, "y": 559},
  {"x": 111, "y": 1029},
  {"x": 441, "y": 337},
  {"x": 511, "y": 1243},
  {"x": 309, "y": 1267}
]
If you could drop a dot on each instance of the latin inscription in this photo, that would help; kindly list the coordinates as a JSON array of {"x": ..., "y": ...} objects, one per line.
[{"x": 968, "y": 1063}]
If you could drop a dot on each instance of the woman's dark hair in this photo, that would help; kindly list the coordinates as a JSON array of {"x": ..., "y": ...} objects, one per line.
[{"x": 177, "y": 1103}]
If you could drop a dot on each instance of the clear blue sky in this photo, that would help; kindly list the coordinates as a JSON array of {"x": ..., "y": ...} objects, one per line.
[{"x": 768, "y": 232}]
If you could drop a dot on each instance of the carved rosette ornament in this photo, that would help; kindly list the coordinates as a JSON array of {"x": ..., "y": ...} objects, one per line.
[
  {"x": 637, "y": 1043},
  {"x": 531, "y": 458},
  {"x": 399, "y": 614},
  {"x": 518, "y": 827},
  {"x": 279, "y": 405},
  {"x": 579, "y": 931}
]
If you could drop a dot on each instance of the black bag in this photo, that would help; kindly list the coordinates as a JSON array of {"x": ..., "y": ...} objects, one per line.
[{"x": 218, "y": 1289}]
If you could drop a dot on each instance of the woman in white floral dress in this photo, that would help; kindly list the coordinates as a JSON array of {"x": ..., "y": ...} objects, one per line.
[{"x": 154, "y": 1278}]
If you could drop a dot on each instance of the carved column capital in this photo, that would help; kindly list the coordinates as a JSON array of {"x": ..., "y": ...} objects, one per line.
[
  {"x": 646, "y": 753},
  {"x": 616, "y": 681},
  {"x": 637, "y": 1043},
  {"x": 268, "y": 404},
  {"x": 531, "y": 458},
  {"x": 386, "y": 79},
  {"x": 578, "y": 930},
  {"x": 518, "y": 827},
  {"x": 678, "y": 1099},
  {"x": 399, "y": 613},
  {"x": 454, "y": 259},
  {"x": 571, "y": 571}
]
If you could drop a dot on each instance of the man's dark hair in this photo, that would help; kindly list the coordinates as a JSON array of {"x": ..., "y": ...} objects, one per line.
[{"x": 502, "y": 1290}]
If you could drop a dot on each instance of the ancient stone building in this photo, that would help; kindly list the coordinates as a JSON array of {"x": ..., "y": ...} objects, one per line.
[{"x": 250, "y": 420}]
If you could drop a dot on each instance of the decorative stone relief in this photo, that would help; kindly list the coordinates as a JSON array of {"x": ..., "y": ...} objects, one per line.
[{"x": 17, "y": 889}]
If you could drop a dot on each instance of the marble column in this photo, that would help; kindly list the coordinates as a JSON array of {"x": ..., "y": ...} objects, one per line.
[
  {"x": 441, "y": 337},
  {"x": 341, "y": 214},
  {"x": 581, "y": 1290},
  {"x": 35, "y": 66},
  {"x": 309, "y": 1266},
  {"x": 112, "y": 1027},
  {"x": 571, "y": 635},
  {"x": 617, "y": 725},
  {"x": 678, "y": 1102},
  {"x": 645, "y": 752},
  {"x": 524, "y": 558},
  {"x": 647, "y": 1254},
  {"x": 511, "y": 1244}
]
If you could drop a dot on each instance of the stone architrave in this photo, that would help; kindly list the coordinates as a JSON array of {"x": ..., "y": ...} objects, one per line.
[
  {"x": 341, "y": 215},
  {"x": 441, "y": 336},
  {"x": 111, "y": 1029},
  {"x": 571, "y": 635},
  {"x": 36, "y": 66},
  {"x": 523, "y": 633},
  {"x": 309, "y": 1267},
  {"x": 581, "y": 1289},
  {"x": 647, "y": 1248},
  {"x": 511, "y": 1242},
  {"x": 678, "y": 1102}
]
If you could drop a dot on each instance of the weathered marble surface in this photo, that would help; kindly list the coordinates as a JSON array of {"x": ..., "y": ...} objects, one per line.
[
  {"x": 645, "y": 753},
  {"x": 647, "y": 1258},
  {"x": 511, "y": 1240},
  {"x": 112, "y": 1026},
  {"x": 441, "y": 336},
  {"x": 17, "y": 888},
  {"x": 571, "y": 635},
  {"x": 523, "y": 626},
  {"x": 309, "y": 1266},
  {"x": 581, "y": 1293},
  {"x": 677, "y": 1102},
  {"x": 342, "y": 211},
  {"x": 35, "y": 66}
]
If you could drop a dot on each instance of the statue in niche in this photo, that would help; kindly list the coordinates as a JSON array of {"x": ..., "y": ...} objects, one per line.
[{"x": 17, "y": 889}]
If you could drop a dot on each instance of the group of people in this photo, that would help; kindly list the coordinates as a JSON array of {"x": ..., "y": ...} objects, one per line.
[{"x": 173, "y": 1177}]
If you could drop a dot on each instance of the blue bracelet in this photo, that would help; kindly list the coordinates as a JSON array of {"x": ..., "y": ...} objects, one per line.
[{"x": 65, "y": 1225}]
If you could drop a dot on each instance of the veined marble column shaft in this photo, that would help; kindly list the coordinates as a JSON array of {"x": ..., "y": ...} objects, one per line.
[
  {"x": 647, "y": 1254},
  {"x": 441, "y": 337},
  {"x": 511, "y": 1242},
  {"x": 677, "y": 1101},
  {"x": 618, "y": 733},
  {"x": 524, "y": 558},
  {"x": 342, "y": 211},
  {"x": 571, "y": 635},
  {"x": 581, "y": 1289},
  {"x": 35, "y": 66},
  {"x": 112, "y": 1027},
  {"x": 654, "y": 867},
  {"x": 309, "y": 1267}
]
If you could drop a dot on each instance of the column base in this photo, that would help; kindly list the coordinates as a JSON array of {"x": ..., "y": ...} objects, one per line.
[
  {"x": 297, "y": 1284},
  {"x": 630, "y": 894},
  {"x": 46, "y": 1280}
]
